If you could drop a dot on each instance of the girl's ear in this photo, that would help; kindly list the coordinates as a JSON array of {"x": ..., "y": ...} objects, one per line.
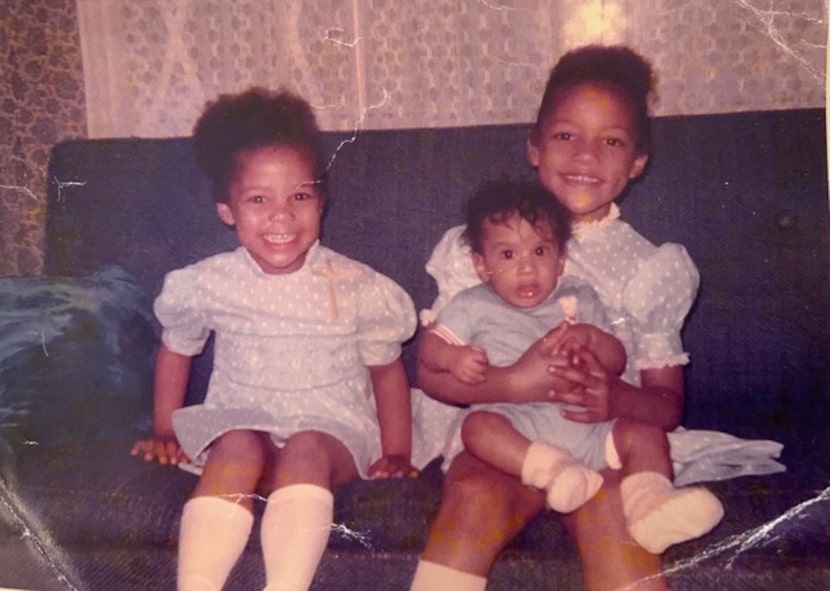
[
  {"x": 532, "y": 152},
  {"x": 225, "y": 214},
  {"x": 481, "y": 267},
  {"x": 638, "y": 166}
]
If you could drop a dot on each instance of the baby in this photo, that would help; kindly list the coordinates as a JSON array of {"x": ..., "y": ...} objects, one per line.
[{"x": 517, "y": 234}]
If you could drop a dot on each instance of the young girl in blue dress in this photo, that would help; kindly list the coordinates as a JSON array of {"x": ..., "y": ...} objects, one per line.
[{"x": 308, "y": 390}]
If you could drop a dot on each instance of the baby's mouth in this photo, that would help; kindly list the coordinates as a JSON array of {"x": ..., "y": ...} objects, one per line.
[{"x": 527, "y": 291}]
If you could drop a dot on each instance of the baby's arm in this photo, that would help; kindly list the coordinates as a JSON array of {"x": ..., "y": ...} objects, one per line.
[
  {"x": 394, "y": 409},
  {"x": 468, "y": 364},
  {"x": 171, "y": 375}
]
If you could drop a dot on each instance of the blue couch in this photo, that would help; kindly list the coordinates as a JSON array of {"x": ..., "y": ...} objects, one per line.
[{"x": 746, "y": 193}]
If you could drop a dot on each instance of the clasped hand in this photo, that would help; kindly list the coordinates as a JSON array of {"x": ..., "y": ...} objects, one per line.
[{"x": 570, "y": 373}]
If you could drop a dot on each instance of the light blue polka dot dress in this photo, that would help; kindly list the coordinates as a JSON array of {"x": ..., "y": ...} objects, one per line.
[{"x": 291, "y": 350}]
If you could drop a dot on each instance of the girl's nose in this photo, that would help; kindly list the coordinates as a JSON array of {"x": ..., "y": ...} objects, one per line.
[
  {"x": 281, "y": 211},
  {"x": 587, "y": 149}
]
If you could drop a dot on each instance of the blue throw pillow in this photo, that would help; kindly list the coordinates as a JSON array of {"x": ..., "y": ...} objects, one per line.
[{"x": 76, "y": 358}]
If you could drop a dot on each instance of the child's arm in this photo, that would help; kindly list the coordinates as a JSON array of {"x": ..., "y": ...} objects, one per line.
[
  {"x": 395, "y": 418},
  {"x": 170, "y": 379},
  {"x": 466, "y": 363}
]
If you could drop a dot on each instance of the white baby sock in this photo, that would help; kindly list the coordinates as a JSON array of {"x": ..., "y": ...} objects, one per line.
[
  {"x": 430, "y": 576},
  {"x": 295, "y": 531},
  {"x": 659, "y": 515},
  {"x": 205, "y": 558},
  {"x": 568, "y": 483}
]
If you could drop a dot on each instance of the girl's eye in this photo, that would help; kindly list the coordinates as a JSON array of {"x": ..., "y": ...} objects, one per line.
[
  {"x": 562, "y": 136},
  {"x": 303, "y": 196},
  {"x": 257, "y": 199},
  {"x": 507, "y": 254},
  {"x": 542, "y": 250},
  {"x": 615, "y": 142}
]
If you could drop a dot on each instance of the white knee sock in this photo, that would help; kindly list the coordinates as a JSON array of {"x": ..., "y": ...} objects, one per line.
[
  {"x": 568, "y": 483},
  {"x": 430, "y": 576},
  {"x": 295, "y": 529},
  {"x": 205, "y": 558},
  {"x": 659, "y": 515}
]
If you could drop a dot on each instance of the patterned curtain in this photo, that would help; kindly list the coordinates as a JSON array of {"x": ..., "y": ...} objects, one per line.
[{"x": 150, "y": 65}]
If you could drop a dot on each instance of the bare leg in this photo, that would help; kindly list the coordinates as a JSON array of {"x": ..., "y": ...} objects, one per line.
[
  {"x": 642, "y": 448},
  {"x": 494, "y": 439},
  {"x": 657, "y": 514},
  {"x": 481, "y": 511},
  {"x": 298, "y": 515},
  {"x": 611, "y": 559}
]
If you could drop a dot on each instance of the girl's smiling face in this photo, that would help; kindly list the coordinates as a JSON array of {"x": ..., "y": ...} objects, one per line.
[
  {"x": 276, "y": 204},
  {"x": 586, "y": 150}
]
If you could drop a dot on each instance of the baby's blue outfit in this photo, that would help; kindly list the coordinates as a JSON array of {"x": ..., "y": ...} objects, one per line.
[
  {"x": 646, "y": 291},
  {"x": 291, "y": 351},
  {"x": 477, "y": 316}
]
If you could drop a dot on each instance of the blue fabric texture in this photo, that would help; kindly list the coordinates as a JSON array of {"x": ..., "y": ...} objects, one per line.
[{"x": 75, "y": 355}]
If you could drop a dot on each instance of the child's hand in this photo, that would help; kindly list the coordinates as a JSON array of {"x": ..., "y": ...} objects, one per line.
[
  {"x": 162, "y": 449},
  {"x": 393, "y": 466},
  {"x": 469, "y": 365},
  {"x": 593, "y": 388}
]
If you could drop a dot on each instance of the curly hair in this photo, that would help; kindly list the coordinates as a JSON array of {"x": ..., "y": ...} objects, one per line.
[
  {"x": 616, "y": 67},
  {"x": 236, "y": 123},
  {"x": 498, "y": 200}
]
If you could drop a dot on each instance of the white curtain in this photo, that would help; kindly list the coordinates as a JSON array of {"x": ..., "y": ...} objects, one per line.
[{"x": 150, "y": 65}]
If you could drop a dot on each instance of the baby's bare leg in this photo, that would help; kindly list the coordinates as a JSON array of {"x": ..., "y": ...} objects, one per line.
[
  {"x": 641, "y": 447},
  {"x": 657, "y": 514},
  {"x": 493, "y": 438}
]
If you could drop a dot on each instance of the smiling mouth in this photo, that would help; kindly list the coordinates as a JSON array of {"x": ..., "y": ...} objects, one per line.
[
  {"x": 582, "y": 179},
  {"x": 279, "y": 238}
]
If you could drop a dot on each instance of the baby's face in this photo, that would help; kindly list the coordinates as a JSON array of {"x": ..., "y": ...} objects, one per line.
[
  {"x": 275, "y": 205},
  {"x": 522, "y": 262}
]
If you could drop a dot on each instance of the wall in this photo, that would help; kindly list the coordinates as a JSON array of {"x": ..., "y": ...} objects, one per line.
[
  {"x": 149, "y": 66},
  {"x": 41, "y": 102}
]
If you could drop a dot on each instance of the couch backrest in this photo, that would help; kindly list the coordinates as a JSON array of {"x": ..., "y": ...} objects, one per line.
[{"x": 746, "y": 193}]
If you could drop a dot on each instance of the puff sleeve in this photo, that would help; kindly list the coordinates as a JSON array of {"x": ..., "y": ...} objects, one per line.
[
  {"x": 451, "y": 265},
  {"x": 657, "y": 299},
  {"x": 386, "y": 319},
  {"x": 184, "y": 328}
]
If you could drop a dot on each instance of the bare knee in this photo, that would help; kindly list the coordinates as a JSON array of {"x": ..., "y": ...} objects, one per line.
[
  {"x": 314, "y": 457},
  {"x": 478, "y": 424},
  {"x": 631, "y": 436},
  {"x": 491, "y": 504},
  {"x": 235, "y": 463}
]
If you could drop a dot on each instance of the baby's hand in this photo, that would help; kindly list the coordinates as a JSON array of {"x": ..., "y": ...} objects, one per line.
[
  {"x": 164, "y": 450},
  {"x": 393, "y": 466},
  {"x": 469, "y": 365}
]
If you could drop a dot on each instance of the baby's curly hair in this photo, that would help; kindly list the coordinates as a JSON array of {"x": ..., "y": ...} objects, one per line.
[
  {"x": 235, "y": 123},
  {"x": 617, "y": 67},
  {"x": 497, "y": 201}
]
